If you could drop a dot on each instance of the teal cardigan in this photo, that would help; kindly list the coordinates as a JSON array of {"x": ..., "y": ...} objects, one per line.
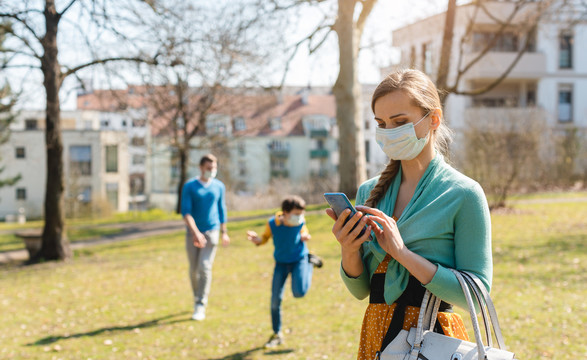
[{"x": 447, "y": 221}]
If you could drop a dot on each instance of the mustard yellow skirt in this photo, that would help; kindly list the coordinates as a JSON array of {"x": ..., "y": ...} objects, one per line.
[{"x": 378, "y": 317}]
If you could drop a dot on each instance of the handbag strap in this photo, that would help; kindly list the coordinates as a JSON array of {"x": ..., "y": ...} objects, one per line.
[
  {"x": 469, "y": 284},
  {"x": 464, "y": 285},
  {"x": 476, "y": 284},
  {"x": 480, "y": 300}
]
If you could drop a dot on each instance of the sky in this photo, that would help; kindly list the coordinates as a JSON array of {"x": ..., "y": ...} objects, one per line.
[{"x": 320, "y": 68}]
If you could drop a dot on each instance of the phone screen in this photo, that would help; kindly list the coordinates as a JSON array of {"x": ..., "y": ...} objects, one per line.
[{"x": 339, "y": 202}]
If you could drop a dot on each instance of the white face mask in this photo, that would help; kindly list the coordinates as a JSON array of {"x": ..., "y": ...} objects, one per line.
[
  {"x": 209, "y": 174},
  {"x": 401, "y": 143},
  {"x": 296, "y": 219}
]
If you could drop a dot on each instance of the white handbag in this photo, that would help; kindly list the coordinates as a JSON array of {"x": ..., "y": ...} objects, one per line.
[{"x": 421, "y": 343}]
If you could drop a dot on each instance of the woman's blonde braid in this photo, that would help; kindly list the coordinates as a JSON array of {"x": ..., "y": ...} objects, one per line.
[{"x": 382, "y": 185}]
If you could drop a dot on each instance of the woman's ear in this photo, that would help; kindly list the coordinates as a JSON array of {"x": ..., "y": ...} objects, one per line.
[{"x": 435, "y": 118}]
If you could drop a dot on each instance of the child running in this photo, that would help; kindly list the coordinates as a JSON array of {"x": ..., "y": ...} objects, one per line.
[{"x": 289, "y": 232}]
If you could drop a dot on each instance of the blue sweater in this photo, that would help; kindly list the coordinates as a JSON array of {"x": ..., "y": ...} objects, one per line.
[
  {"x": 204, "y": 203},
  {"x": 447, "y": 221},
  {"x": 289, "y": 247}
]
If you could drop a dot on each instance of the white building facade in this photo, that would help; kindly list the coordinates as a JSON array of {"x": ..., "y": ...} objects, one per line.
[
  {"x": 95, "y": 166},
  {"x": 550, "y": 76}
]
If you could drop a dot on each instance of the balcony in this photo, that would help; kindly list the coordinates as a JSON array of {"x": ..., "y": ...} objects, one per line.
[
  {"x": 319, "y": 154},
  {"x": 492, "y": 65},
  {"x": 279, "y": 173},
  {"x": 279, "y": 153},
  {"x": 318, "y": 133}
]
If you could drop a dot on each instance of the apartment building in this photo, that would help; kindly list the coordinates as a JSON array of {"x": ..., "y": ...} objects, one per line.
[
  {"x": 290, "y": 137},
  {"x": 547, "y": 83},
  {"x": 95, "y": 166}
]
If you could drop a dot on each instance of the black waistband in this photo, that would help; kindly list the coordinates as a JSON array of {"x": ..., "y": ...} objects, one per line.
[{"x": 412, "y": 296}]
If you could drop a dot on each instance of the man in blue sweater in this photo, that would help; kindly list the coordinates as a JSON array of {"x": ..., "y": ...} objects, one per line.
[{"x": 203, "y": 209}]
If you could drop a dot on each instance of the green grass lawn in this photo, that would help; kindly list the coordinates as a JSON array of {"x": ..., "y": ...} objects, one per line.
[{"x": 131, "y": 300}]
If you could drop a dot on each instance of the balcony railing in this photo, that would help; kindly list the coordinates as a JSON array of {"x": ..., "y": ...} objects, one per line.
[
  {"x": 279, "y": 173},
  {"x": 318, "y": 133},
  {"x": 319, "y": 153},
  {"x": 279, "y": 153},
  {"x": 493, "y": 64}
]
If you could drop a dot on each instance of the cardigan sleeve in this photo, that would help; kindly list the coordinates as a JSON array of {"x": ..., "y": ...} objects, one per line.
[
  {"x": 360, "y": 286},
  {"x": 472, "y": 248}
]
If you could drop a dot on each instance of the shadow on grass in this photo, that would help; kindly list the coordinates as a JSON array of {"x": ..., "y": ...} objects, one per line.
[
  {"x": 147, "y": 324},
  {"x": 246, "y": 355}
]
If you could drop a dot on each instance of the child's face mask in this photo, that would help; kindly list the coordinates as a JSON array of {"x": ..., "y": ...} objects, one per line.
[{"x": 295, "y": 219}]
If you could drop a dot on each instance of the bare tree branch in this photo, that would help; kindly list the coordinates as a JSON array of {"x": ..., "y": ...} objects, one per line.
[
  {"x": 367, "y": 8},
  {"x": 22, "y": 21},
  {"x": 504, "y": 75},
  {"x": 9, "y": 30},
  {"x": 67, "y": 7},
  {"x": 488, "y": 46},
  {"x": 104, "y": 61}
]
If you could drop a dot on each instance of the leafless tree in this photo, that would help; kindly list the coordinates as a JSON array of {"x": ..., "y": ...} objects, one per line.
[
  {"x": 346, "y": 18},
  {"x": 503, "y": 150},
  {"x": 33, "y": 29},
  {"x": 210, "y": 52}
]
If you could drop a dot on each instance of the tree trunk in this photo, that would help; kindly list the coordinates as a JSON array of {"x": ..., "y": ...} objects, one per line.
[
  {"x": 55, "y": 245},
  {"x": 184, "y": 157},
  {"x": 347, "y": 92},
  {"x": 446, "y": 50}
]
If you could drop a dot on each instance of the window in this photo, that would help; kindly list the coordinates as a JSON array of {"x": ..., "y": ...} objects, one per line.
[
  {"x": 565, "y": 57},
  {"x": 277, "y": 145},
  {"x": 275, "y": 123},
  {"x": 31, "y": 124},
  {"x": 427, "y": 58},
  {"x": 138, "y": 123},
  {"x": 111, "y": 158},
  {"x": 242, "y": 169},
  {"x": 20, "y": 153},
  {"x": 137, "y": 184},
  {"x": 123, "y": 123},
  {"x": 320, "y": 144},
  {"x": 138, "y": 159},
  {"x": 241, "y": 148},
  {"x": 85, "y": 194},
  {"x": 112, "y": 194},
  {"x": 80, "y": 159},
  {"x": 367, "y": 151},
  {"x": 20, "y": 194},
  {"x": 104, "y": 123},
  {"x": 505, "y": 42},
  {"x": 137, "y": 141},
  {"x": 565, "y": 103},
  {"x": 413, "y": 57},
  {"x": 239, "y": 124}
]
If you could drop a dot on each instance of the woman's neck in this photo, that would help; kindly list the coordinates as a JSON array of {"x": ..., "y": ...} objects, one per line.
[{"x": 412, "y": 170}]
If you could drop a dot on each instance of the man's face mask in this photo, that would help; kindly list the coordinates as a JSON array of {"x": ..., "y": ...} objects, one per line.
[
  {"x": 401, "y": 143},
  {"x": 210, "y": 174}
]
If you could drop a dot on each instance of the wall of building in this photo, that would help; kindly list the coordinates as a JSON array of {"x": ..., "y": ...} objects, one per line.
[{"x": 33, "y": 169}]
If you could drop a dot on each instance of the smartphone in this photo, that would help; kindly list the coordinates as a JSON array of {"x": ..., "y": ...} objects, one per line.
[{"x": 339, "y": 202}]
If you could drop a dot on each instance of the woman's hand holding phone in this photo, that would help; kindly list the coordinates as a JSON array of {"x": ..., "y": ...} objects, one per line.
[{"x": 350, "y": 242}]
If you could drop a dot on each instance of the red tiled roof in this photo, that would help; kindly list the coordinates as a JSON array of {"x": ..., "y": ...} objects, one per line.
[{"x": 257, "y": 109}]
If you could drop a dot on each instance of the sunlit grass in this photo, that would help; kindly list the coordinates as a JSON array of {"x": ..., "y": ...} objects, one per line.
[{"x": 131, "y": 300}]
